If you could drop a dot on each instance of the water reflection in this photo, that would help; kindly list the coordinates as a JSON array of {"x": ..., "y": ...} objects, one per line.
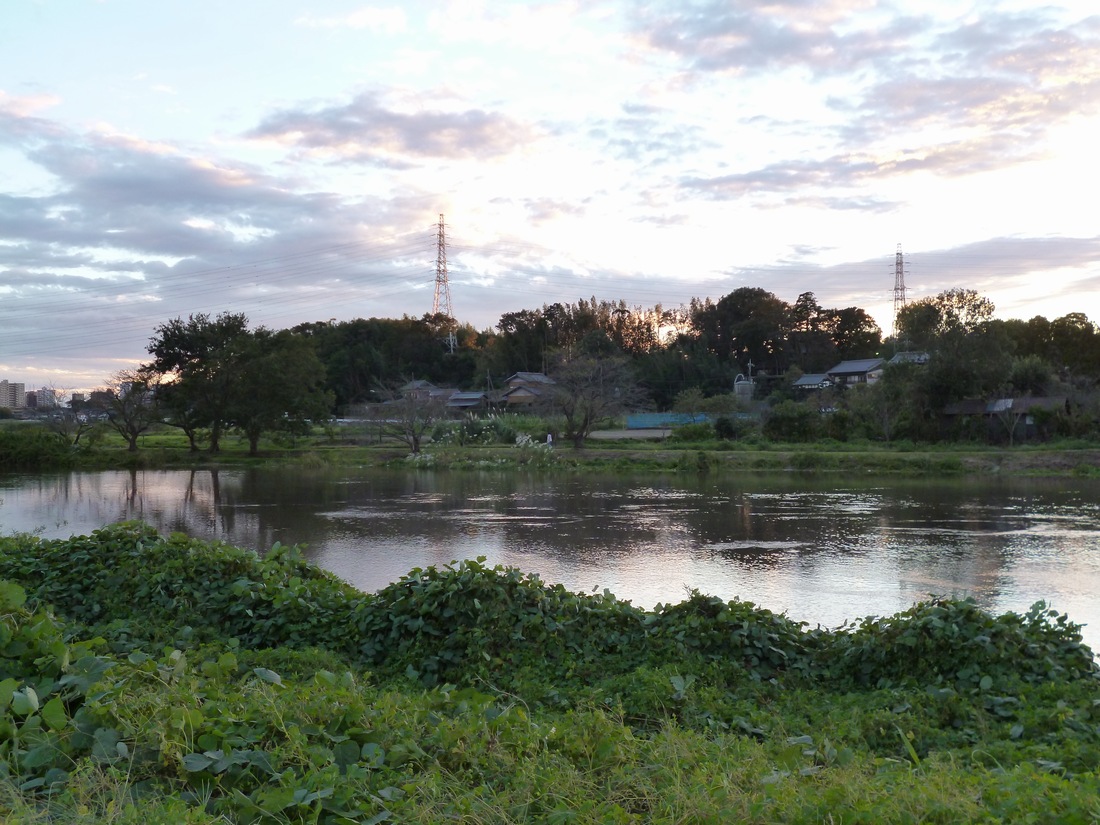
[{"x": 821, "y": 551}]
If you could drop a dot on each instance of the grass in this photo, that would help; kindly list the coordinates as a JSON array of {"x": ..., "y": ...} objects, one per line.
[
  {"x": 167, "y": 448},
  {"x": 190, "y": 682}
]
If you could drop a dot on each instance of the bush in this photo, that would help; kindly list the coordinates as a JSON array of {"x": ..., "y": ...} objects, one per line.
[
  {"x": 31, "y": 448},
  {"x": 792, "y": 421},
  {"x": 702, "y": 431}
]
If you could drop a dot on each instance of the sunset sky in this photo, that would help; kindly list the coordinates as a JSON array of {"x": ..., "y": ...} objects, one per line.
[{"x": 290, "y": 159}]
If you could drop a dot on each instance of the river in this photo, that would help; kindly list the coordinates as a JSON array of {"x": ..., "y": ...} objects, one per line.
[{"x": 821, "y": 549}]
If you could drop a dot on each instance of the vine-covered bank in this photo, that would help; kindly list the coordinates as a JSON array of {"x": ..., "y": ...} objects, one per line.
[{"x": 146, "y": 678}]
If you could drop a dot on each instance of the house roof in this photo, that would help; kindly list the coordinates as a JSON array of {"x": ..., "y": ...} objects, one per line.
[
  {"x": 529, "y": 378},
  {"x": 909, "y": 358},
  {"x": 812, "y": 379},
  {"x": 419, "y": 384},
  {"x": 861, "y": 366},
  {"x": 466, "y": 399}
]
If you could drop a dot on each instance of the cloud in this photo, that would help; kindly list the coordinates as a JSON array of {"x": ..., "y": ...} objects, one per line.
[
  {"x": 389, "y": 21},
  {"x": 364, "y": 130},
  {"x": 747, "y": 37},
  {"x": 949, "y": 98}
]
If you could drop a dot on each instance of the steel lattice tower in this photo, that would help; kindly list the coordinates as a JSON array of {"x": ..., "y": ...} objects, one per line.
[
  {"x": 899, "y": 287},
  {"x": 442, "y": 302}
]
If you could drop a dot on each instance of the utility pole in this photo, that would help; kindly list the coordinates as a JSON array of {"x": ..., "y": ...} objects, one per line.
[
  {"x": 442, "y": 302},
  {"x": 899, "y": 289}
]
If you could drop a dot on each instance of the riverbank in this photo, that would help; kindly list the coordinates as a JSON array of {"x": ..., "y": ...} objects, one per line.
[
  {"x": 613, "y": 450},
  {"x": 192, "y": 682}
]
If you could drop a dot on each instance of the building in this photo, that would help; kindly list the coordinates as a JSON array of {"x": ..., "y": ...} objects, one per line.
[
  {"x": 44, "y": 398},
  {"x": 526, "y": 388},
  {"x": 13, "y": 396},
  {"x": 813, "y": 381},
  {"x": 861, "y": 371}
]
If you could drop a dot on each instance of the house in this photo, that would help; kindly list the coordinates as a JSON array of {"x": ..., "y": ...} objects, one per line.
[
  {"x": 525, "y": 388},
  {"x": 813, "y": 381},
  {"x": 861, "y": 371},
  {"x": 1014, "y": 418},
  {"x": 420, "y": 390},
  {"x": 467, "y": 401}
]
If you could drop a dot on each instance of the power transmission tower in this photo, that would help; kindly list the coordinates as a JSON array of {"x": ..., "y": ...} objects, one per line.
[
  {"x": 899, "y": 288},
  {"x": 442, "y": 302}
]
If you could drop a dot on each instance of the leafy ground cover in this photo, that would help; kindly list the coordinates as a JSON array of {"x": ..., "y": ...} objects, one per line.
[{"x": 148, "y": 678}]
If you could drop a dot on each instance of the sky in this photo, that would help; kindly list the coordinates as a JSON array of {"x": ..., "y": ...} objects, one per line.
[{"x": 290, "y": 160}]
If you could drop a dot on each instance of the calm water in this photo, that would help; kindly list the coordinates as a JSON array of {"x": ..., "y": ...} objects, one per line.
[{"x": 822, "y": 550}]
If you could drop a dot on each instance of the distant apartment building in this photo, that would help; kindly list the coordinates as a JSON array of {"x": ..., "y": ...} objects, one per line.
[
  {"x": 43, "y": 398},
  {"x": 12, "y": 396}
]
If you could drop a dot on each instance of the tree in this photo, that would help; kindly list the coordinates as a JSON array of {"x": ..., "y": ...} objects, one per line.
[
  {"x": 749, "y": 324},
  {"x": 280, "y": 386},
  {"x": 952, "y": 312},
  {"x": 969, "y": 352},
  {"x": 1030, "y": 375},
  {"x": 408, "y": 417},
  {"x": 589, "y": 388},
  {"x": 853, "y": 332},
  {"x": 69, "y": 423},
  {"x": 1077, "y": 344},
  {"x": 130, "y": 401},
  {"x": 201, "y": 358}
]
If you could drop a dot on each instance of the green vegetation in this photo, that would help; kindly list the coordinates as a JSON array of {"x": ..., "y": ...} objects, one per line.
[{"x": 161, "y": 679}]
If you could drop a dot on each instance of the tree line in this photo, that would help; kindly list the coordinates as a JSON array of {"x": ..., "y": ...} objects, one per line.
[{"x": 212, "y": 374}]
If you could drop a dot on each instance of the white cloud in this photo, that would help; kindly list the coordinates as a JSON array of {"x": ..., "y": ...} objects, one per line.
[{"x": 389, "y": 21}]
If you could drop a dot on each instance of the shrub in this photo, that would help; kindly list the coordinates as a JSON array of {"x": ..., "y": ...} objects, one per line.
[
  {"x": 792, "y": 421},
  {"x": 702, "y": 431},
  {"x": 29, "y": 448}
]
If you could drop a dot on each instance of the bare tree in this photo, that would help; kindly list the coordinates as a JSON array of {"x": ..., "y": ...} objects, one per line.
[
  {"x": 70, "y": 423},
  {"x": 590, "y": 388},
  {"x": 408, "y": 416},
  {"x": 130, "y": 401}
]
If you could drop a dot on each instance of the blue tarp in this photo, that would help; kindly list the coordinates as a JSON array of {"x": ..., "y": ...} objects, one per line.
[{"x": 660, "y": 421}]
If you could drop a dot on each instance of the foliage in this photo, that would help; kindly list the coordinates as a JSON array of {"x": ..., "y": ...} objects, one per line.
[
  {"x": 217, "y": 374},
  {"x": 691, "y": 433},
  {"x": 33, "y": 448},
  {"x": 233, "y": 689},
  {"x": 287, "y": 405},
  {"x": 792, "y": 421},
  {"x": 473, "y": 430}
]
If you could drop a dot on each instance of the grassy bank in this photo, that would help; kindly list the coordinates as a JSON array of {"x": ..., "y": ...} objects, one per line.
[
  {"x": 179, "y": 681},
  {"x": 27, "y": 447}
]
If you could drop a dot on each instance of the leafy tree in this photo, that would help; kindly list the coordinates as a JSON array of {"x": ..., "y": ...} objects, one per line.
[
  {"x": 893, "y": 407},
  {"x": 201, "y": 357},
  {"x": 588, "y": 388},
  {"x": 683, "y": 364},
  {"x": 956, "y": 311},
  {"x": 280, "y": 386},
  {"x": 852, "y": 332},
  {"x": 221, "y": 374},
  {"x": 749, "y": 324},
  {"x": 1030, "y": 375},
  {"x": 1076, "y": 343},
  {"x": 970, "y": 353}
]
